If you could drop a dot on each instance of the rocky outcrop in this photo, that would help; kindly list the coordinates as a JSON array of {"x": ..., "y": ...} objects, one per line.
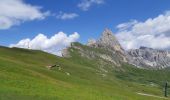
[
  {"x": 107, "y": 41},
  {"x": 149, "y": 58},
  {"x": 65, "y": 53},
  {"x": 110, "y": 43}
]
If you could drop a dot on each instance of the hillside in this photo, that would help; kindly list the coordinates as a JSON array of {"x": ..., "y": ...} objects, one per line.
[{"x": 24, "y": 76}]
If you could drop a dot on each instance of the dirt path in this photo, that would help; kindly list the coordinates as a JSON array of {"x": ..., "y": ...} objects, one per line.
[{"x": 151, "y": 95}]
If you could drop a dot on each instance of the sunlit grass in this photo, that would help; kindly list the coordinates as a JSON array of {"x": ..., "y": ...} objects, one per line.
[{"x": 24, "y": 76}]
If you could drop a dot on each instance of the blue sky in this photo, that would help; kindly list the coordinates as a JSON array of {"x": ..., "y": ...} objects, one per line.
[{"x": 88, "y": 22}]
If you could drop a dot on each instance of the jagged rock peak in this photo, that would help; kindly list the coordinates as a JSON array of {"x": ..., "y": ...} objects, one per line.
[
  {"x": 148, "y": 57},
  {"x": 108, "y": 40},
  {"x": 108, "y": 37},
  {"x": 107, "y": 32}
]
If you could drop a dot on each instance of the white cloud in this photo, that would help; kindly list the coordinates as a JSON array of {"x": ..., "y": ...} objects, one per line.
[
  {"x": 66, "y": 16},
  {"x": 86, "y": 4},
  {"x": 125, "y": 26},
  {"x": 14, "y": 12},
  {"x": 154, "y": 33},
  {"x": 52, "y": 45}
]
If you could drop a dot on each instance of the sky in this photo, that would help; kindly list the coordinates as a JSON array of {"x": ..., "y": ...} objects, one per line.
[{"x": 51, "y": 25}]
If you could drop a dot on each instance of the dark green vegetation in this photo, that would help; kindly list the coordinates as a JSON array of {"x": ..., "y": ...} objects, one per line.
[{"x": 24, "y": 76}]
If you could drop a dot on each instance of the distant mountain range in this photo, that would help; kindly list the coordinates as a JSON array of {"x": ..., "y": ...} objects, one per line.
[{"x": 143, "y": 57}]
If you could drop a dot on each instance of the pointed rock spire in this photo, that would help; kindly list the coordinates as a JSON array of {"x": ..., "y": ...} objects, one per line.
[
  {"x": 107, "y": 32},
  {"x": 108, "y": 40},
  {"x": 108, "y": 37},
  {"x": 110, "y": 43}
]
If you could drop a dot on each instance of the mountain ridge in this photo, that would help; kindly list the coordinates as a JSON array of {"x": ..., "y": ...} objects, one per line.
[{"x": 144, "y": 57}]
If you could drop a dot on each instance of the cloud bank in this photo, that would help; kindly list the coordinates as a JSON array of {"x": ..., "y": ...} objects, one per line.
[
  {"x": 154, "y": 33},
  {"x": 52, "y": 45},
  {"x": 86, "y": 4},
  {"x": 14, "y": 12}
]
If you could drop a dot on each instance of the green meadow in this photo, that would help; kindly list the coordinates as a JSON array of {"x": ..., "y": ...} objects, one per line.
[{"x": 24, "y": 76}]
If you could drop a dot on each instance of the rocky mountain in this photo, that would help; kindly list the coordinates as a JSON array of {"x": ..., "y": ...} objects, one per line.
[
  {"x": 106, "y": 49},
  {"x": 109, "y": 49},
  {"x": 148, "y": 57},
  {"x": 110, "y": 43}
]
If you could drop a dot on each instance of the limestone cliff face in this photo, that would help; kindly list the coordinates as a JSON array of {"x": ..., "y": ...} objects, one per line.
[
  {"x": 109, "y": 41},
  {"x": 149, "y": 58}
]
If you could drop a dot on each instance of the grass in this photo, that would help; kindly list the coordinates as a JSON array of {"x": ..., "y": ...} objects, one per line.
[{"x": 24, "y": 76}]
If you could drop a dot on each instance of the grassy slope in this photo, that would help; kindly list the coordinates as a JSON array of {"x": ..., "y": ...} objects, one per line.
[{"x": 24, "y": 76}]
